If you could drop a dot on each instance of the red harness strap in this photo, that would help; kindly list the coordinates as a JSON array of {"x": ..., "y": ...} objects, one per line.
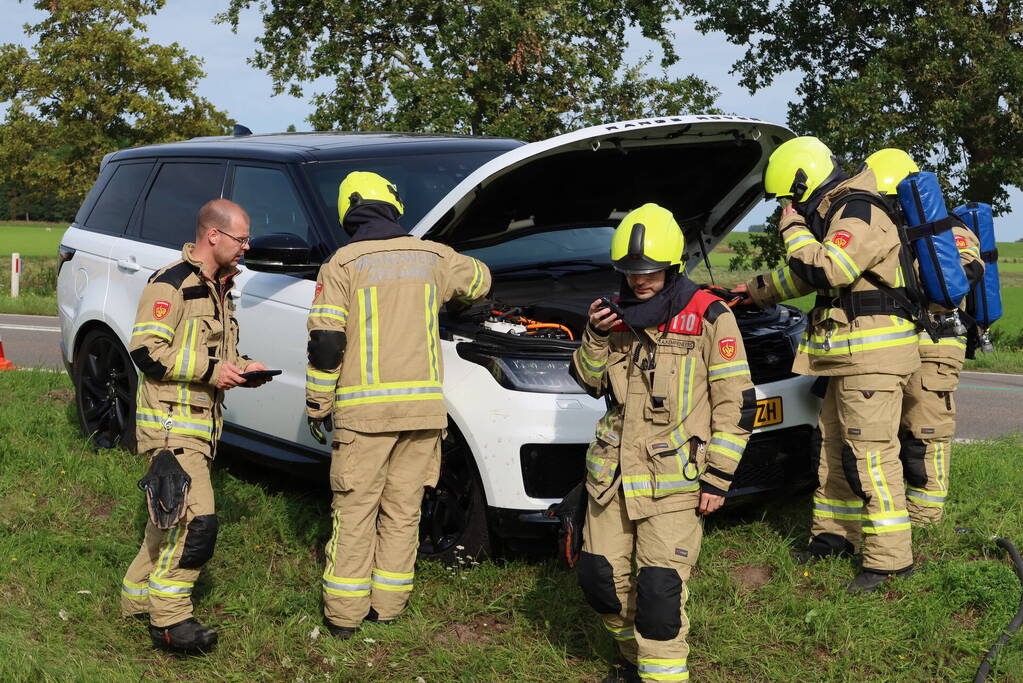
[{"x": 687, "y": 321}]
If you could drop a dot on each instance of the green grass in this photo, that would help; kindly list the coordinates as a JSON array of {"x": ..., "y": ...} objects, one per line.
[
  {"x": 38, "y": 287},
  {"x": 30, "y": 239},
  {"x": 71, "y": 519}
]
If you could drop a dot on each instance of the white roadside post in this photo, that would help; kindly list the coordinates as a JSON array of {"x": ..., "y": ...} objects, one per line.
[{"x": 15, "y": 274}]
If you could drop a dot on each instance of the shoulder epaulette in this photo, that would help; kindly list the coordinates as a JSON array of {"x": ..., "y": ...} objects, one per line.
[
  {"x": 174, "y": 275},
  {"x": 857, "y": 208}
]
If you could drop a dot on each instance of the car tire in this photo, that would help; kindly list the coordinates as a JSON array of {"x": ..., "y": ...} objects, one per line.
[
  {"x": 454, "y": 522},
  {"x": 105, "y": 381}
]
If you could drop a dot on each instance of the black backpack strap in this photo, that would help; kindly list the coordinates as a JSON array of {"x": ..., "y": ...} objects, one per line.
[{"x": 911, "y": 299}]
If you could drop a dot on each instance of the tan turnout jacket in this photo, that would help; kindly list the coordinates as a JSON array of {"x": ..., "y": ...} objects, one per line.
[
  {"x": 374, "y": 343},
  {"x": 859, "y": 238},
  {"x": 668, "y": 428},
  {"x": 184, "y": 329}
]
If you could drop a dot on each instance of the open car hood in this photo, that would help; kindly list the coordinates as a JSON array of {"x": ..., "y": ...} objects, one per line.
[{"x": 707, "y": 170}]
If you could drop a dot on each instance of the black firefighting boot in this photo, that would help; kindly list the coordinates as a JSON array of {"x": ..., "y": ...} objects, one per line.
[
  {"x": 342, "y": 632},
  {"x": 868, "y": 581},
  {"x": 824, "y": 545},
  {"x": 375, "y": 618},
  {"x": 622, "y": 671},
  {"x": 188, "y": 637}
]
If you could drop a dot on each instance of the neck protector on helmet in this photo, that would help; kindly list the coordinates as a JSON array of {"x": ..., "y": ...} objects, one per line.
[
  {"x": 678, "y": 290},
  {"x": 373, "y": 221}
]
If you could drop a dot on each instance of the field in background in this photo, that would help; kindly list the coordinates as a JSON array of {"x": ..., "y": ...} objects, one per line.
[{"x": 71, "y": 519}]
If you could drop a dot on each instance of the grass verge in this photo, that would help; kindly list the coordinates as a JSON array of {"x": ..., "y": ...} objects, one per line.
[
  {"x": 29, "y": 304},
  {"x": 72, "y": 518}
]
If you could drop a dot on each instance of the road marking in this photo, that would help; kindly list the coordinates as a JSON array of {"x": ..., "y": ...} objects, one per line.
[
  {"x": 996, "y": 374},
  {"x": 970, "y": 386},
  {"x": 30, "y": 328}
]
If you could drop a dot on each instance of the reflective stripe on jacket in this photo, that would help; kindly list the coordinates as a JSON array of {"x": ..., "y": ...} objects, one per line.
[{"x": 374, "y": 340}]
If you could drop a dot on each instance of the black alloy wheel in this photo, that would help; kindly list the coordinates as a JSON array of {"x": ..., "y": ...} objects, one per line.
[
  {"x": 105, "y": 381},
  {"x": 454, "y": 514}
]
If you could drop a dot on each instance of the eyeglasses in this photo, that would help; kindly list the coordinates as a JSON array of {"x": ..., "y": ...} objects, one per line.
[{"x": 240, "y": 240}]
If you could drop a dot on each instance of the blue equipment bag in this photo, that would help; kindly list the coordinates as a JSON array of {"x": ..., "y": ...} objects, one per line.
[
  {"x": 929, "y": 230},
  {"x": 985, "y": 301}
]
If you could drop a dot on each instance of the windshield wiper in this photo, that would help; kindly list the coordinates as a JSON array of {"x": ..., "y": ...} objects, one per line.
[{"x": 566, "y": 264}]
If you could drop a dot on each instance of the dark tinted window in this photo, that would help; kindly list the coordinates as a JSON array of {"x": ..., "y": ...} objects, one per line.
[
  {"x": 270, "y": 200},
  {"x": 422, "y": 180},
  {"x": 174, "y": 200},
  {"x": 113, "y": 208}
]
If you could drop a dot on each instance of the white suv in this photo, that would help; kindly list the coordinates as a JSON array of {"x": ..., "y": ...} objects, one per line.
[{"x": 540, "y": 215}]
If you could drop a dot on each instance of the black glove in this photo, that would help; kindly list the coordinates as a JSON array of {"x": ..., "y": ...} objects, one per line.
[
  {"x": 317, "y": 425},
  {"x": 571, "y": 513},
  {"x": 166, "y": 486}
]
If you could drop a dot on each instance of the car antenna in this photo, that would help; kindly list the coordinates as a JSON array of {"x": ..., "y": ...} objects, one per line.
[{"x": 240, "y": 131}]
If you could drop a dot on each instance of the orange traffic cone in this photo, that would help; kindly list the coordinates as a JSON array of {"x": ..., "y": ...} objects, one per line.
[{"x": 4, "y": 363}]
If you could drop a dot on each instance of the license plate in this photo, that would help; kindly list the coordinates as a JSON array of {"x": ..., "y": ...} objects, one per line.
[{"x": 768, "y": 412}]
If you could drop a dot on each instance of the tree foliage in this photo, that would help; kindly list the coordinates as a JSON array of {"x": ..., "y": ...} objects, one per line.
[
  {"x": 519, "y": 68},
  {"x": 91, "y": 85},
  {"x": 762, "y": 250},
  {"x": 941, "y": 79}
]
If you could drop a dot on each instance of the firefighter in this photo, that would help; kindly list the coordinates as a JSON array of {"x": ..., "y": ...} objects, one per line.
[
  {"x": 861, "y": 337},
  {"x": 928, "y": 405},
  {"x": 185, "y": 342},
  {"x": 681, "y": 405},
  {"x": 375, "y": 376}
]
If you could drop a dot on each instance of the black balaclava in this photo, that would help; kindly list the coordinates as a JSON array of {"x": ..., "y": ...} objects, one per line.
[
  {"x": 808, "y": 209},
  {"x": 372, "y": 221},
  {"x": 678, "y": 290}
]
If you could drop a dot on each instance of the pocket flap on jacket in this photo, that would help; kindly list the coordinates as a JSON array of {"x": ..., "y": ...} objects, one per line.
[{"x": 660, "y": 448}]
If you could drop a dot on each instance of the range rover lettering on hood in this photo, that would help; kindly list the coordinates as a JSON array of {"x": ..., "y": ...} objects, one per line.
[{"x": 706, "y": 169}]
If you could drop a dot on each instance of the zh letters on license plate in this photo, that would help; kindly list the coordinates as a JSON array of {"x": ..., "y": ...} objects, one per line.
[{"x": 768, "y": 412}]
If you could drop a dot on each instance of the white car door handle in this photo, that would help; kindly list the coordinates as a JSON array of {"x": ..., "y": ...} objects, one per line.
[
  {"x": 234, "y": 294},
  {"x": 130, "y": 266}
]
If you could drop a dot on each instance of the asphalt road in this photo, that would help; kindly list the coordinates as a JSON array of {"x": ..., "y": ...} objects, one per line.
[
  {"x": 990, "y": 404},
  {"x": 31, "y": 341}
]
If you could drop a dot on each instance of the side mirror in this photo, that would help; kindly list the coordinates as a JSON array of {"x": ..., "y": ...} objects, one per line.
[{"x": 280, "y": 252}]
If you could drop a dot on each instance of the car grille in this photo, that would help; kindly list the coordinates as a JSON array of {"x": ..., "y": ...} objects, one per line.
[
  {"x": 770, "y": 357},
  {"x": 550, "y": 470}
]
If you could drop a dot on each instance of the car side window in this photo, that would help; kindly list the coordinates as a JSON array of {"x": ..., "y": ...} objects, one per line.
[
  {"x": 114, "y": 206},
  {"x": 270, "y": 200},
  {"x": 174, "y": 200}
]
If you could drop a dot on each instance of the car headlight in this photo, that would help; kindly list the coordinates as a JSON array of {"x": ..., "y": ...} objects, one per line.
[{"x": 524, "y": 373}]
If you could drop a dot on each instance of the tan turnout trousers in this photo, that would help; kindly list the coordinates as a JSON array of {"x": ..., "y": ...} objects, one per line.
[
  {"x": 861, "y": 496},
  {"x": 666, "y": 547},
  {"x": 928, "y": 425},
  {"x": 378, "y": 481},
  {"x": 161, "y": 577}
]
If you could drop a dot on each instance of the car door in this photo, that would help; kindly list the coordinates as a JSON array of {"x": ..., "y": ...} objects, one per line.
[
  {"x": 163, "y": 220},
  {"x": 271, "y": 311}
]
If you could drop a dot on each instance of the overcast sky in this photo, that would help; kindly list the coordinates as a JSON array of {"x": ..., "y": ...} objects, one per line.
[{"x": 245, "y": 93}]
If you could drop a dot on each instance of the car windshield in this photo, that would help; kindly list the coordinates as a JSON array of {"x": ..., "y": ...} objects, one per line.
[
  {"x": 553, "y": 250},
  {"x": 422, "y": 180}
]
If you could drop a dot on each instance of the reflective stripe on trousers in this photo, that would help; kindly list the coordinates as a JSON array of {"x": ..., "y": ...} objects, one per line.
[
  {"x": 663, "y": 669},
  {"x": 392, "y": 581}
]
